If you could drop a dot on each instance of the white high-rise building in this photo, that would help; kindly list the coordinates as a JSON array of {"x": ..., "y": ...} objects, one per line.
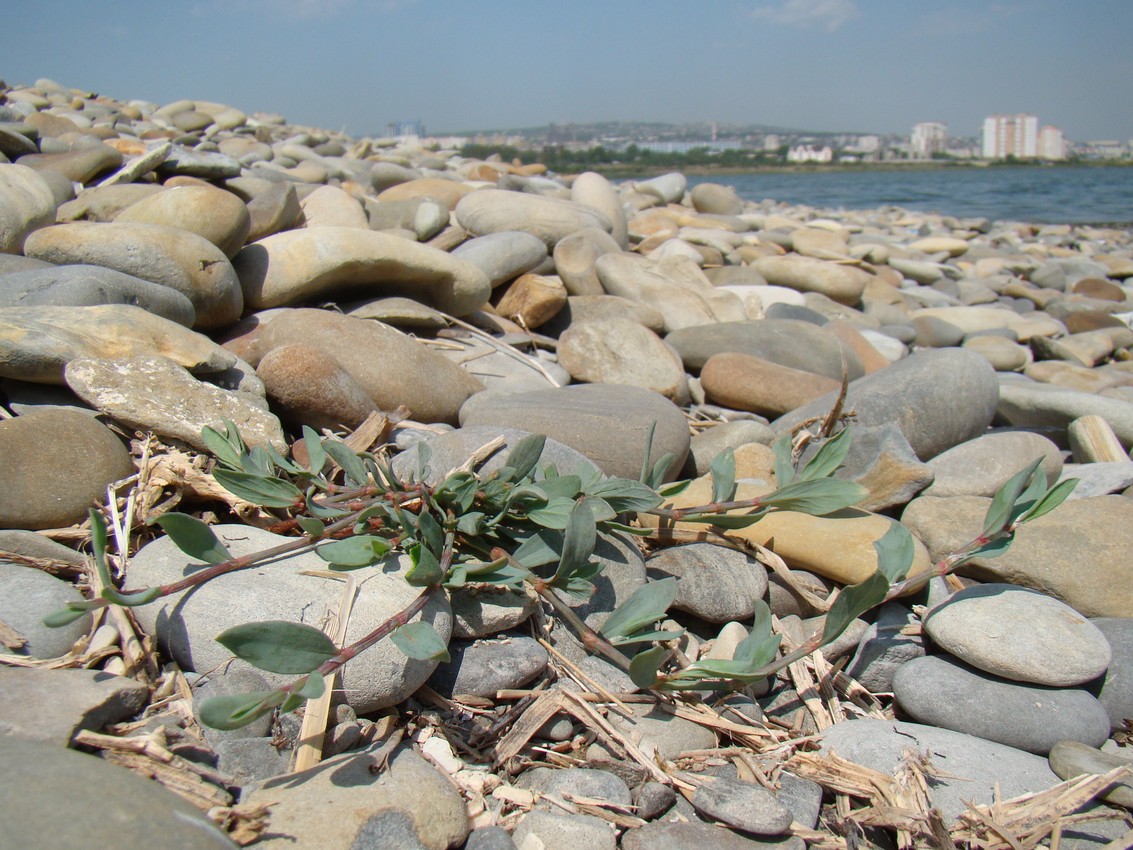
[
  {"x": 1051, "y": 143},
  {"x": 1010, "y": 135},
  {"x": 928, "y": 138}
]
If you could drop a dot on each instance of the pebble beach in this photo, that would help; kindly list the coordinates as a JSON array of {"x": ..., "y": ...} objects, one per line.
[{"x": 167, "y": 267}]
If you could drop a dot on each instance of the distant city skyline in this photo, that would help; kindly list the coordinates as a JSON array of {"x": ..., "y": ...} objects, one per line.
[{"x": 854, "y": 66}]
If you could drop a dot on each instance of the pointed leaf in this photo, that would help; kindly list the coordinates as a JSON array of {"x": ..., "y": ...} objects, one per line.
[
  {"x": 237, "y": 710},
  {"x": 625, "y": 494},
  {"x": 98, "y": 548},
  {"x": 258, "y": 489},
  {"x": 761, "y": 619},
  {"x": 999, "y": 511},
  {"x": 420, "y": 640},
  {"x": 577, "y": 587},
  {"x": 65, "y": 616},
  {"x": 645, "y": 476},
  {"x": 828, "y": 457},
  {"x": 279, "y": 646},
  {"x": 852, "y": 602},
  {"x": 1054, "y": 497},
  {"x": 323, "y": 511},
  {"x": 723, "y": 472},
  {"x": 130, "y": 600},
  {"x": 563, "y": 486},
  {"x": 525, "y": 454},
  {"x": 555, "y": 514},
  {"x": 314, "y": 686},
  {"x": 345, "y": 457},
  {"x": 1035, "y": 490},
  {"x": 644, "y": 666},
  {"x": 194, "y": 538},
  {"x": 424, "y": 455},
  {"x": 784, "y": 462},
  {"x": 545, "y": 546},
  {"x": 895, "y": 552},
  {"x": 757, "y": 650},
  {"x": 578, "y": 543},
  {"x": 674, "y": 488},
  {"x": 432, "y": 535},
  {"x": 991, "y": 549},
  {"x": 660, "y": 470},
  {"x": 316, "y": 457},
  {"x": 227, "y": 446},
  {"x": 359, "y": 551},
  {"x": 647, "y": 637},
  {"x": 645, "y": 607},
  {"x": 818, "y": 497}
]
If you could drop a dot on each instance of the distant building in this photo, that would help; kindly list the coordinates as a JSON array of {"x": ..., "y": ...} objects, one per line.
[
  {"x": 1051, "y": 143},
  {"x": 868, "y": 144},
  {"x": 405, "y": 128},
  {"x": 1010, "y": 135},
  {"x": 928, "y": 138},
  {"x": 772, "y": 142},
  {"x": 809, "y": 153}
]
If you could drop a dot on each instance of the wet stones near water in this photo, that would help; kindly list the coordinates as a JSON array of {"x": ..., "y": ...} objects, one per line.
[
  {"x": 66, "y": 459},
  {"x": 944, "y": 692}
]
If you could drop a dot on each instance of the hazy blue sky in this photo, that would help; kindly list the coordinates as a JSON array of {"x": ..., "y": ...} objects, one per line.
[{"x": 856, "y": 65}]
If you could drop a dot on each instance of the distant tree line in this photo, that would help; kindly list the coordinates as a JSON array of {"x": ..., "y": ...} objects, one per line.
[{"x": 558, "y": 158}]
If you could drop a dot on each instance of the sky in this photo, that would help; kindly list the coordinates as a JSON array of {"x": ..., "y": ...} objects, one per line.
[{"x": 867, "y": 66}]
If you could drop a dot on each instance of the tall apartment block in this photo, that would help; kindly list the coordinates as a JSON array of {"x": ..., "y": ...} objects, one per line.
[
  {"x": 928, "y": 137},
  {"x": 1051, "y": 143},
  {"x": 1010, "y": 135}
]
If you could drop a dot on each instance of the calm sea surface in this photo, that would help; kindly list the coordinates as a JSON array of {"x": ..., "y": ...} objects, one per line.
[{"x": 1021, "y": 193}]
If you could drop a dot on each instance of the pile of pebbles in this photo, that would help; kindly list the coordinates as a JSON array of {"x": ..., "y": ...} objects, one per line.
[{"x": 166, "y": 267}]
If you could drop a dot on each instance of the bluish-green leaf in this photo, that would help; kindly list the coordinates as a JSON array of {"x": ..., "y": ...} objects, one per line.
[
  {"x": 257, "y": 461},
  {"x": 895, "y": 552},
  {"x": 316, "y": 457},
  {"x": 757, "y": 650},
  {"x": 784, "y": 461},
  {"x": 432, "y": 535},
  {"x": 852, "y": 602},
  {"x": 278, "y": 646},
  {"x": 660, "y": 470},
  {"x": 461, "y": 486},
  {"x": 471, "y": 523},
  {"x": 1054, "y": 497},
  {"x": 646, "y": 606},
  {"x": 226, "y": 446},
  {"x": 730, "y": 521},
  {"x": 647, "y": 637},
  {"x": 98, "y": 547},
  {"x": 817, "y": 497},
  {"x": 644, "y": 666},
  {"x": 993, "y": 548},
  {"x": 323, "y": 511},
  {"x": 312, "y": 527},
  {"x": 65, "y": 616},
  {"x": 723, "y": 472},
  {"x": 579, "y": 541},
  {"x": 625, "y": 494},
  {"x": 345, "y": 457},
  {"x": 645, "y": 476},
  {"x": 675, "y": 488},
  {"x": 424, "y": 455},
  {"x": 258, "y": 489},
  {"x": 828, "y": 457},
  {"x": 426, "y": 569},
  {"x": 131, "y": 600},
  {"x": 235, "y": 711},
  {"x": 562, "y": 486},
  {"x": 555, "y": 514},
  {"x": 314, "y": 686},
  {"x": 578, "y": 587},
  {"x": 525, "y": 454},
  {"x": 999, "y": 511},
  {"x": 420, "y": 640},
  {"x": 545, "y": 546},
  {"x": 194, "y": 538},
  {"x": 359, "y": 551}
]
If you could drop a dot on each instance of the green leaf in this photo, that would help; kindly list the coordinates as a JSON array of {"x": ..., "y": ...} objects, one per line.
[
  {"x": 279, "y": 646},
  {"x": 257, "y": 461},
  {"x": 644, "y": 666},
  {"x": 555, "y": 514},
  {"x": 226, "y": 447},
  {"x": 660, "y": 470},
  {"x": 420, "y": 640},
  {"x": 359, "y": 551},
  {"x": 723, "y": 472},
  {"x": 545, "y": 546},
  {"x": 130, "y": 600},
  {"x": 645, "y": 607},
  {"x": 999, "y": 511},
  {"x": 1035, "y": 490},
  {"x": 194, "y": 538},
  {"x": 562, "y": 486},
  {"x": 471, "y": 523},
  {"x": 578, "y": 587},
  {"x": 525, "y": 454},
  {"x": 579, "y": 541},
  {"x": 66, "y": 616},
  {"x": 828, "y": 457},
  {"x": 323, "y": 511},
  {"x": 645, "y": 476},
  {"x": 461, "y": 487},
  {"x": 625, "y": 494},
  {"x": 258, "y": 489},
  {"x": 1054, "y": 497},
  {"x": 314, "y": 686},
  {"x": 817, "y": 497},
  {"x": 312, "y": 527},
  {"x": 895, "y": 552},
  {"x": 991, "y": 549},
  {"x": 757, "y": 650},
  {"x": 852, "y": 602},
  {"x": 237, "y": 710},
  {"x": 647, "y": 637},
  {"x": 316, "y": 457},
  {"x": 426, "y": 569},
  {"x": 672, "y": 489},
  {"x": 784, "y": 462},
  {"x": 424, "y": 455},
  {"x": 98, "y": 547},
  {"x": 729, "y": 521},
  {"x": 432, "y": 535},
  {"x": 345, "y": 457}
]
